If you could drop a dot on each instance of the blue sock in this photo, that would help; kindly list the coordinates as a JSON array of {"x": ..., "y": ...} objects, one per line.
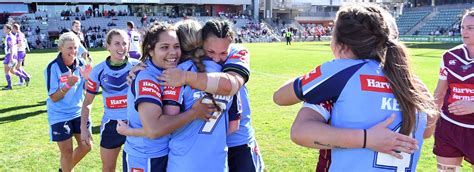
[{"x": 9, "y": 82}]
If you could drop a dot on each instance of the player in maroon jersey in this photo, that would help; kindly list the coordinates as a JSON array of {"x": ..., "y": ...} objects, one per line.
[{"x": 454, "y": 94}]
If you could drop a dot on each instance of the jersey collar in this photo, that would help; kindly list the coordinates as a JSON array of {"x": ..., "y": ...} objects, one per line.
[{"x": 63, "y": 67}]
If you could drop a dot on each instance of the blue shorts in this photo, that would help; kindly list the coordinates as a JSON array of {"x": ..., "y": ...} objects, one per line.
[
  {"x": 21, "y": 56},
  {"x": 137, "y": 164},
  {"x": 134, "y": 54},
  {"x": 64, "y": 130},
  {"x": 7, "y": 59},
  {"x": 245, "y": 158},
  {"x": 109, "y": 137}
]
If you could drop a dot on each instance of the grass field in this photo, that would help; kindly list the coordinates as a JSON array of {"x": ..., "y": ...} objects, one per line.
[{"x": 24, "y": 137}]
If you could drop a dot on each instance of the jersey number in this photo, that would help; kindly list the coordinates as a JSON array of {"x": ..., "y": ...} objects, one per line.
[
  {"x": 208, "y": 127},
  {"x": 387, "y": 161}
]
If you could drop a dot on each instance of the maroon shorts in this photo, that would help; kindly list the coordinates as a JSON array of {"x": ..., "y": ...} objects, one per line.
[{"x": 452, "y": 141}]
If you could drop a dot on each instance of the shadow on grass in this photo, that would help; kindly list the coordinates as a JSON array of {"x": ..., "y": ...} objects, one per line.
[
  {"x": 17, "y": 117},
  {"x": 41, "y": 103},
  {"x": 96, "y": 129}
]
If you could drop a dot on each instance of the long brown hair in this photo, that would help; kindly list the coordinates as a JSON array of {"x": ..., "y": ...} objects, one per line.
[
  {"x": 189, "y": 35},
  {"x": 219, "y": 28},
  {"x": 152, "y": 36},
  {"x": 362, "y": 29}
]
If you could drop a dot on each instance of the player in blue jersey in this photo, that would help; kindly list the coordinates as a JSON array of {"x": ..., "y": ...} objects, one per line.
[
  {"x": 244, "y": 154},
  {"x": 146, "y": 147},
  {"x": 110, "y": 75},
  {"x": 65, "y": 77},
  {"x": 21, "y": 53},
  {"x": 370, "y": 66},
  {"x": 195, "y": 144}
]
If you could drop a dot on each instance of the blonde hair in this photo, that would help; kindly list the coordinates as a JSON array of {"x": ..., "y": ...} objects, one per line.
[
  {"x": 113, "y": 32},
  {"x": 189, "y": 35},
  {"x": 68, "y": 36}
]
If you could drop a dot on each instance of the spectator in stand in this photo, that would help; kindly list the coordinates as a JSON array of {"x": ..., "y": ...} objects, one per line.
[{"x": 38, "y": 30}]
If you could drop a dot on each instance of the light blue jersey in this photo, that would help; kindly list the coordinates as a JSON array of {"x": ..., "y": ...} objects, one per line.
[
  {"x": 145, "y": 88},
  {"x": 69, "y": 107},
  {"x": 238, "y": 61},
  {"x": 113, "y": 81},
  {"x": 200, "y": 145},
  {"x": 361, "y": 97}
]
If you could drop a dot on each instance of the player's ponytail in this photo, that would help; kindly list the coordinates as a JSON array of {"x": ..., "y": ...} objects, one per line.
[
  {"x": 363, "y": 30},
  {"x": 411, "y": 97},
  {"x": 189, "y": 35}
]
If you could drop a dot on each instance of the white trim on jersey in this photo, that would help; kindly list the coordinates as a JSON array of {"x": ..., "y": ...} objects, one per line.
[
  {"x": 320, "y": 109},
  {"x": 313, "y": 86},
  {"x": 460, "y": 59},
  {"x": 103, "y": 127},
  {"x": 443, "y": 73},
  {"x": 149, "y": 165},
  {"x": 460, "y": 77},
  {"x": 456, "y": 122}
]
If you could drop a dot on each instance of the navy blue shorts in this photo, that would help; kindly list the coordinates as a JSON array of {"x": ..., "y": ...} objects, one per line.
[
  {"x": 139, "y": 164},
  {"x": 64, "y": 130},
  {"x": 245, "y": 158},
  {"x": 109, "y": 137}
]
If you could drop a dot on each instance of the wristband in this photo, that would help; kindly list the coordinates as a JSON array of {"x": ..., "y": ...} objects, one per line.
[{"x": 365, "y": 138}]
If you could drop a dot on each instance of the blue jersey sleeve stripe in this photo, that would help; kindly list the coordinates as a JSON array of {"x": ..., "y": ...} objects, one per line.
[
  {"x": 48, "y": 75},
  {"x": 331, "y": 87},
  {"x": 92, "y": 92},
  {"x": 171, "y": 102},
  {"x": 99, "y": 79},
  {"x": 234, "y": 112},
  {"x": 244, "y": 72},
  {"x": 298, "y": 88},
  {"x": 149, "y": 100}
]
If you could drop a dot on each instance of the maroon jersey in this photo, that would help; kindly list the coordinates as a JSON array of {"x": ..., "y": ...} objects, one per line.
[{"x": 458, "y": 69}]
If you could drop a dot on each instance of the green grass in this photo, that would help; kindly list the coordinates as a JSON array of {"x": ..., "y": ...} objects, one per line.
[{"x": 24, "y": 137}]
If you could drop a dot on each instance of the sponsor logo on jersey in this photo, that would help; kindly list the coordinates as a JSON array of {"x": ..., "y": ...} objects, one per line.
[
  {"x": 149, "y": 87},
  {"x": 452, "y": 62},
  {"x": 242, "y": 55},
  {"x": 311, "y": 76},
  {"x": 171, "y": 93},
  {"x": 390, "y": 104},
  {"x": 375, "y": 83},
  {"x": 91, "y": 85},
  {"x": 116, "y": 102},
  {"x": 137, "y": 170},
  {"x": 461, "y": 92},
  {"x": 63, "y": 79}
]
